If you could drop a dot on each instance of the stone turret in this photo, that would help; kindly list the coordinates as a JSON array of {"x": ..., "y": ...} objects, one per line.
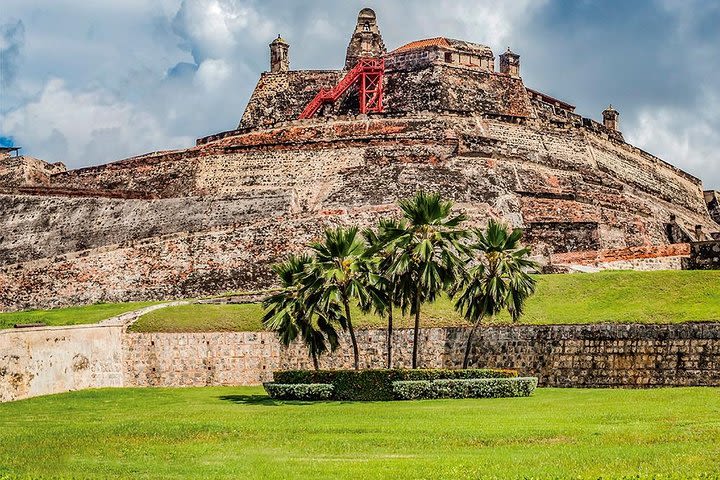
[
  {"x": 366, "y": 41},
  {"x": 279, "y": 55},
  {"x": 610, "y": 118},
  {"x": 510, "y": 63}
]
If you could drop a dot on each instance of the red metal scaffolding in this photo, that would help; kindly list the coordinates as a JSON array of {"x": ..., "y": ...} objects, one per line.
[{"x": 368, "y": 74}]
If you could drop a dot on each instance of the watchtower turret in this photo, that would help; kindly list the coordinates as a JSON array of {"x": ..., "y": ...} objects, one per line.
[
  {"x": 610, "y": 118},
  {"x": 366, "y": 41},
  {"x": 510, "y": 63},
  {"x": 279, "y": 55}
]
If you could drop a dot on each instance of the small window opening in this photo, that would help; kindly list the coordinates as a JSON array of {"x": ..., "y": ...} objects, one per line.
[{"x": 366, "y": 27}]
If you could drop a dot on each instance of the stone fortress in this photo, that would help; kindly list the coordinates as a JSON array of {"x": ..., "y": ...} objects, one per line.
[{"x": 434, "y": 114}]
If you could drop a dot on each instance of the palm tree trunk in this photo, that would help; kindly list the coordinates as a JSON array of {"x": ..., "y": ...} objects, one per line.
[
  {"x": 389, "y": 334},
  {"x": 313, "y": 353},
  {"x": 417, "y": 327},
  {"x": 356, "y": 353},
  {"x": 469, "y": 343}
]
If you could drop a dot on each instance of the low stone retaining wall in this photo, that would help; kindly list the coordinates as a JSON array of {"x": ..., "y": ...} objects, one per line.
[
  {"x": 560, "y": 355},
  {"x": 46, "y": 360},
  {"x": 53, "y": 360},
  {"x": 42, "y": 361}
]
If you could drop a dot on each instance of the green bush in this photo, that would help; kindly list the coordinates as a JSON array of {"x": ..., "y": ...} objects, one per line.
[
  {"x": 465, "y": 388},
  {"x": 299, "y": 391},
  {"x": 369, "y": 385},
  {"x": 412, "y": 390}
]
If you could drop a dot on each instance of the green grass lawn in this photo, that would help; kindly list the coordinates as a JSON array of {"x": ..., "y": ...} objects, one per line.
[
  {"x": 239, "y": 433},
  {"x": 622, "y": 297},
  {"x": 71, "y": 316}
]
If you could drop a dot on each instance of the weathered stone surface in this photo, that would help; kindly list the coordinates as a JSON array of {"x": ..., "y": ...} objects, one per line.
[
  {"x": 219, "y": 213},
  {"x": 560, "y": 355},
  {"x": 53, "y": 360},
  {"x": 26, "y": 171},
  {"x": 712, "y": 198},
  {"x": 704, "y": 255}
]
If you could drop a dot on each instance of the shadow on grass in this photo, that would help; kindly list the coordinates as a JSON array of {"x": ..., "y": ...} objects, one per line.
[{"x": 263, "y": 400}]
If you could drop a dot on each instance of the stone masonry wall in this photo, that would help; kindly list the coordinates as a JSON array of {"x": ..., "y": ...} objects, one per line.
[
  {"x": 704, "y": 255},
  {"x": 561, "y": 356},
  {"x": 44, "y": 361},
  {"x": 58, "y": 359},
  {"x": 39, "y": 227}
]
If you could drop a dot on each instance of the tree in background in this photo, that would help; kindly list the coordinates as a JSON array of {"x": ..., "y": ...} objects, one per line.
[
  {"x": 498, "y": 278},
  {"x": 383, "y": 251},
  {"x": 429, "y": 245},
  {"x": 287, "y": 312},
  {"x": 340, "y": 273}
]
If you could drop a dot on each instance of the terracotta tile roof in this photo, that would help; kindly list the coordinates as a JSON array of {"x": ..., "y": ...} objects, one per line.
[
  {"x": 429, "y": 42},
  {"x": 444, "y": 42}
]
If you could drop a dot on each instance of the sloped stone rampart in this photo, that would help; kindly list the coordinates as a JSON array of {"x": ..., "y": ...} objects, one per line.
[{"x": 217, "y": 215}]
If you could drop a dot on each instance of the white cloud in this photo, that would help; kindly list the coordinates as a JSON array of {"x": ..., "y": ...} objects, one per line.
[
  {"x": 86, "y": 127},
  {"x": 212, "y": 28},
  {"x": 212, "y": 74},
  {"x": 488, "y": 22},
  {"x": 684, "y": 137}
]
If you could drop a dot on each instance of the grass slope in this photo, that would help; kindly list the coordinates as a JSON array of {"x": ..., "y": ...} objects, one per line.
[
  {"x": 621, "y": 297},
  {"x": 238, "y": 433},
  {"x": 71, "y": 316}
]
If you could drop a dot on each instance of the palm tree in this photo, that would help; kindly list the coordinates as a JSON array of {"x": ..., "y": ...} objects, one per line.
[
  {"x": 498, "y": 279},
  {"x": 383, "y": 252},
  {"x": 429, "y": 245},
  {"x": 286, "y": 312},
  {"x": 340, "y": 273}
]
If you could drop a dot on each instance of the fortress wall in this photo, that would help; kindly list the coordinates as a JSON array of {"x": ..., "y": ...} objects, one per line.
[
  {"x": 443, "y": 88},
  {"x": 161, "y": 174},
  {"x": 181, "y": 265},
  {"x": 560, "y": 355},
  {"x": 282, "y": 96},
  {"x": 705, "y": 255},
  {"x": 650, "y": 176},
  {"x": 38, "y": 227},
  {"x": 27, "y": 171},
  {"x": 269, "y": 192},
  {"x": 43, "y": 361}
]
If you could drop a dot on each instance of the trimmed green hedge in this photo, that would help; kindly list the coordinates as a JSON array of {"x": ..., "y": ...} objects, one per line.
[
  {"x": 465, "y": 388},
  {"x": 299, "y": 391},
  {"x": 369, "y": 385}
]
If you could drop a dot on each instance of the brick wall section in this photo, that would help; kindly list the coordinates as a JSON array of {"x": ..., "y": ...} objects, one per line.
[
  {"x": 626, "y": 254},
  {"x": 561, "y": 356}
]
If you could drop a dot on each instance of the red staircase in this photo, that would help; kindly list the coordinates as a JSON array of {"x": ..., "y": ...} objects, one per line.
[{"x": 369, "y": 74}]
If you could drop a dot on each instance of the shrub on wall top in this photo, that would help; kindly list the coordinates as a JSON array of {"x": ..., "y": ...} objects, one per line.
[{"x": 378, "y": 384}]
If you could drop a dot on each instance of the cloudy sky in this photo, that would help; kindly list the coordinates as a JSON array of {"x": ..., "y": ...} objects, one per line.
[{"x": 90, "y": 81}]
